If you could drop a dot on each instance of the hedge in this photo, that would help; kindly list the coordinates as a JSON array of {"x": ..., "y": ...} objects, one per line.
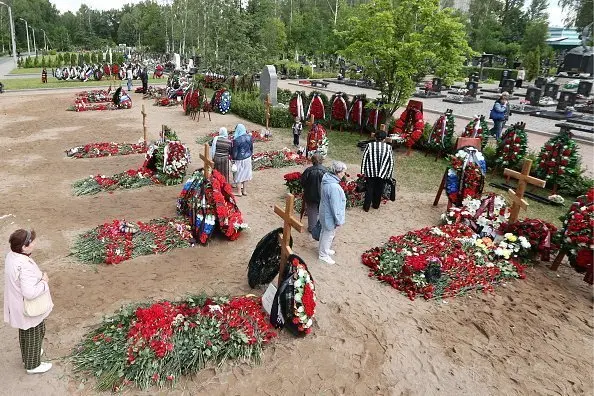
[
  {"x": 493, "y": 73},
  {"x": 248, "y": 105}
]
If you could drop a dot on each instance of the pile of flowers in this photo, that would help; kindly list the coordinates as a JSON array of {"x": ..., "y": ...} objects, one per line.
[
  {"x": 512, "y": 146},
  {"x": 577, "y": 234},
  {"x": 105, "y": 149},
  {"x": 257, "y": 136},
  {"x": 466, "y": 175},
  {"x": 277, "y": 159},
  {"x": 210, "y": 203},
  {"x": 409, "y": 126},
  {"x": 485, "y": 216},
  {"x": 445, "y": 261},
  {"x": 166, "y": 102},
  {"x": 165, "y": 163},
  {"x": 477, "y": 128},
  {"x": 557, "y": 159},
  {"x": 95, "y": 96},
  {"x": 317, "y": 141},
  {"x": 112, "y": 243},
  {"x": 119, "y": 100},
  {"x": 442, "y": 133},
  {"x": 539, "y": 233},
  {"x": 352, "y": 189},
  {"x": 155, "y": 344}
]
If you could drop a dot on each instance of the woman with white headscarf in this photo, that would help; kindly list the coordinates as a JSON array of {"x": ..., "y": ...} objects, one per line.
[
  {"x": 220, "y": 150},
  {"x": 241, "y": 153}
]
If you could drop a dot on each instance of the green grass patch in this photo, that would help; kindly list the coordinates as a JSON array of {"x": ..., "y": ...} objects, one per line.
[
  {"x": 32, "y": 70},
  {"x": 35, "y": 83}
]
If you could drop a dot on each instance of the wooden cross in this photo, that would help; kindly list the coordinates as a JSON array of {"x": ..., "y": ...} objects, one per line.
[
  {"x": 311, "y": 121},
  {"x": 518, "y": 196},
  {"x": 144, "y": 124},
  {"x": 267, "y": 103},
  {"x": 208, "y": 163},
  {"x": 290, "y": 221}
]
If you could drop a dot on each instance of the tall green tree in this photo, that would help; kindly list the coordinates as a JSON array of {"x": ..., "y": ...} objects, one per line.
[
  {"x": 399, "y": 44},
  {"x": 534, "y": 47},
  {"x": 538, "y": 10},
  {"x": 581, "y": 12}
]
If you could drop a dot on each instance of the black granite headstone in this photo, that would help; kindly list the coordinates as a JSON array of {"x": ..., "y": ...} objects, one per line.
[
  {"x": 506, "y": 74},
  {"x": 584, "y": 88},
  {"x": 533, "y": 95},
  {"x": 551, "y": 90},
  {"x": 566, "y": 99},
  {"x": 540, "y": 82},
  {"x": 436, "y": 85},
  {"x": 508, "y": 86},
  {"x": 472, "y": 87}
]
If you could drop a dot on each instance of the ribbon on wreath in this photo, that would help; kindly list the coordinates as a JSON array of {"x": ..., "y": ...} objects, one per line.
[
  {"x": 475, "y": 127},
  {"x": 545, "y": 246},
  {"x": 165, "y": 156},
  {"x": 443, "y": 129},
  {"x": 470, "y": 158}
]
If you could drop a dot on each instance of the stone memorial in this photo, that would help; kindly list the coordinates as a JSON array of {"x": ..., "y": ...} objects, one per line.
[
  {"x": 584, "y": 88},
  {"x": 505, "y": 75},
  {"x": 551, "y": 90},
  {"x": 436, "y": 85},
  {"x": 268, "y": 84},
  {"x": 472, "y": 87},
  {"x": 566, "y": 99},
  {"x": 508, "y": 86},
  {"x": 533, "y": 95},
  {"x": 177, "y": 61},
  {"x": 540, "y": 82}
]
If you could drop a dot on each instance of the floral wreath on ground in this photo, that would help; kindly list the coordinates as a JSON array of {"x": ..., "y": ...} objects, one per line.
[
  {"x": 157, "y": 343},
  {"x": 539, "y": 233},
  {"x": 357, "y": 110},
  {"x": 512, "y": 146},
  {"x": 442, "y": 133},
  {"x": 486, "y": 216},
  {"x": 410, "y": 126},
  {"x": 477, "y": 128},
  {"x": 120, "y": 240},
  {"x": 105, "y": 149},
  {"x": 317, "y": 141},
  {"x": 277, "y": 159},
  {"x": 317, "y": 106},
  {"x": 558, "y": 158},
  {"x": 296, "y": 105},
  {"x": 465, "y": 175},
  {"x": 210, "y": 203},
  {"x": 221, "y": 101},
  {"x": 577, "y": 235},
  {"x": 340, "y": 107},
  {"x": 445, "y": 261}
]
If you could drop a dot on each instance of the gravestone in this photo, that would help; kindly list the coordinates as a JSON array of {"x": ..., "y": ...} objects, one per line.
[
  {"x": 566, "y": 99},
  {"x": 474, "y": 77},
  {"x": 551, "y": 90},
  {"x": 472, "y": 87},
  {"x": 540, "y": 82},
  {"x": 584, "y": 88},
  {"x": 268, "y": 84},
  {"x": 508, "y": 86},
  {"x": 505, "y": 75},
  {"x": 533, "y": 95},
  {"x": 436, "y": 84},
  {"x": 177, "y": 61}
]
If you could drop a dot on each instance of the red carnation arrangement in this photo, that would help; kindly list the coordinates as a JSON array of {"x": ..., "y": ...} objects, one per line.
[{"x": 410, "y": 126}]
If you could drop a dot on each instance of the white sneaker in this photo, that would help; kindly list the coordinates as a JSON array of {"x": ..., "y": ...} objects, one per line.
[
  {"x": 327, "y": 260},
  {"x": 331, "y": 252},
  {"x": 42, "y": 368}
]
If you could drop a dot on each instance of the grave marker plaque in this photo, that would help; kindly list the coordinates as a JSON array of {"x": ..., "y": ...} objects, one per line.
[
  {"x": 436, "y": 85},
  {"x": 551, "y": 90},
  {"x": 472, "y": 87},
  {"x": 508, "y": 86},
  {"x": 584, "y": 88},
  {"x": 540, "y": 82},
  {"x": 268, "y": 84},
  {"x": 505, "y": 75},
  {"x": 533, "y": 95},
  {"x": 566, "y": 99}
]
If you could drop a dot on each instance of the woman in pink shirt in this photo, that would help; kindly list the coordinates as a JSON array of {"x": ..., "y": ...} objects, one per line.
[{"x": 24, "y": 280}]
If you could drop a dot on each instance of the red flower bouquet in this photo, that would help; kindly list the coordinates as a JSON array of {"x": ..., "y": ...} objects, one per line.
[
  {"x": 409, "y": 126},
  {"x": 477, "y": 128},
  {"x": 558, "y": 158},
  {"x": 512, "y": 147},
  {"x": 442, "y": 133},
  {"x": 539, "y": 233},
  {"x": 95, "y": 150}
]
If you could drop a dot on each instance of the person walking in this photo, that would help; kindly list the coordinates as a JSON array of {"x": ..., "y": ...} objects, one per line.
[
  {"x": 311, "y": 181},
  {"x": 24, "y": 284},
  {"x": 220, "y": 151},
  {"x": 499, "y": 114},
  {"x": 297, "y": 128},
  {"x": 129, "y": 76},
  {"x": 377, "y": 166},
  {"x": 332, "y": 210},
  {"x": 241, "y": 152}
]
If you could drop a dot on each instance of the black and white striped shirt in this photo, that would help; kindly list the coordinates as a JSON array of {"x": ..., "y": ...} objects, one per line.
[{"x": 378, "y": 160}]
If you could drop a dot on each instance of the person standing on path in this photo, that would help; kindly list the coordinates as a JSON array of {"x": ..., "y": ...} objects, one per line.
[
  {"x": 241, "y": 153},
  {"x": 23, "y": 280},
  {"x": 520, "y": 77},
  {"x": 332, "y": 210},
  {"x": 499, "y": 114},
  {"x": 311, "y": 181},
  {"x": 129, "y": 76},
  {"x": 377, "y": 167}
]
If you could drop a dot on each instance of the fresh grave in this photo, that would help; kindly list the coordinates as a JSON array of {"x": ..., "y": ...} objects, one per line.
[
  {"x": 257, "y": 136},
  {"x": 96, "y": 101},
  {"x": 317, "y": 141},
  {"x": 209, "y": 204},
  {"x": 165, "y": 163},
  {"x": 409, "y": 127},
  {"x": 106, "y": 149},
  {"x": 157, "y": 343},
  {"x": 277, "y": 159}
]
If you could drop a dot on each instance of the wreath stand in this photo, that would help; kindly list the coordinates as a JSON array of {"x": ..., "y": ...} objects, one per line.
[
  {"x": 208, "y": 163},
  {"x": 460, "y": 142},
  {"x": 144, "y": 127},
  {"x": 440, "y": 153},
  {"x": 289, "y": 221},
  {"x": 517, "y": 196}
]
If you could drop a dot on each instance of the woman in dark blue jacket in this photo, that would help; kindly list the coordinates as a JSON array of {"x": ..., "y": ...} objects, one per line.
[{"x": 241, "y": 154}]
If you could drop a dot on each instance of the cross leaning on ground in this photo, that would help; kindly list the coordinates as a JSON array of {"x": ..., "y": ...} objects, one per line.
[
  {"x": 517, "y": 196},
  {"x": 290, "y": 221},
  {"x": 208, "y": 163}
]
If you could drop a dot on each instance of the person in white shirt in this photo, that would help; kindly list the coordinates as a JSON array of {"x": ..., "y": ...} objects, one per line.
[
  {"x": 129, "y": 77},
  {"x": 520, "y": 78}
]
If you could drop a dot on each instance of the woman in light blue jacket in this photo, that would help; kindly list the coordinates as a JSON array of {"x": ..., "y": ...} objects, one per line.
[{"x": 332, "y": 209}]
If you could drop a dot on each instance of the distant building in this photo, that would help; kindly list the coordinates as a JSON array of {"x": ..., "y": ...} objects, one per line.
[
  {"x": 462, "y": 5},
  {"x": 563, "y": 38}
]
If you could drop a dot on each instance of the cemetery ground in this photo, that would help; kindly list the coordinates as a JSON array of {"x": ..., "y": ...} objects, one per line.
[{"x": 530, "y": 336}]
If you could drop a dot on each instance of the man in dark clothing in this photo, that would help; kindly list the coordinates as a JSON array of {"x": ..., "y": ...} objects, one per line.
[
  {"x": 377, "y": 166},
  {"x": 311, "y": 181},
  {"x": 144, "y": 77}
]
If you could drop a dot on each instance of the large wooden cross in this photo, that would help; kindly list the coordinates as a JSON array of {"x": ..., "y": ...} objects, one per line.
[
  {"x": 290, "y": 221},
  {"x": 144, "y": 125},
  {"x": 208, "y": 163},
  {"x": 267, "y": 103},
  {"x": 517, "y": 196}
]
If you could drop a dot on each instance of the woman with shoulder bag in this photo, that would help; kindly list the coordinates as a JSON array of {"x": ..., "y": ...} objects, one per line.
[
  {"x": 27, "y": 299},
  {"x": 241, "y": 154}
]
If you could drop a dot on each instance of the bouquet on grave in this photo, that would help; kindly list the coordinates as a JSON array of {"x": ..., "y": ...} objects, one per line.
[
  {"x": 512, "y": 146},
  {"x": 477, "y": 128},
  {"x": 106, "y": 149},
  {"x": 442, "y": 133},
  {"x": 466, "y": 175},
  {"x": 558, "y": 158},
  {"x": 486, "y": 216},
  {"x": 277, "y": 159},
  {"x": 539, "y": 233}
]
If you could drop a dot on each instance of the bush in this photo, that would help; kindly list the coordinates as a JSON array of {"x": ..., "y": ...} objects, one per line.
[
  {"x": 60, "y": 59},
  {"x": 493, "y": 73},
  {"x": 283, "y": 95},
  {"x": 28, "y": 63},
  {"x": 295, "y": 69},
  {"x": 575, "y": 184},
  {"x": 52, "y": 52},
  {"x": 490, "y": 154},
  {"x": 248, "y": 105},
  {"x": 73, "y": 59},
  {"x": 319, "y": 75},
  {"x": 87, "y": 58},
  {"x": 36, "y": 61},
  {"x": 44, "y": 62}
]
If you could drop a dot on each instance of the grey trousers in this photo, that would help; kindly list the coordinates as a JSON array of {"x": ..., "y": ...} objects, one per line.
[
  {"x": 326, "y": 238},
  {"x": 313, "y": 211}
]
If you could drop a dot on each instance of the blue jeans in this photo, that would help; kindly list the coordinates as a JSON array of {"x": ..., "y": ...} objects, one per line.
[
  {"x": 129, "y": 84},
  {"x": 499, "y": 124}
]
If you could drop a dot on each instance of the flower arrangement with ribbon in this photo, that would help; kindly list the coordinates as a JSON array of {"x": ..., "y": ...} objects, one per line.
[
  {"x": 221, "y": 101},
  {"x": 539, "y": 233},
  {"x": 577, "y": 235},
  {"x": 512, "y": 146},
  {"x": 409, "y": 126},
  {"x": 376, "y": 115},
  {"x": 445, "y": 261},
  {"x": 357, "y": 110},
  {"x": 442, "y": 133},
  {"x": 466, "y": 175},
  {"x": 340, "y": 107},
  {"x": 317, "y": 141},
  {"x": 477, "y": 128},
  {"x": 352, "y": 189},
  {"x": 208, "y": 203},
  {"x": 316, "y": 107},
  {"x": 192, "y": 100},
  {"x": 486, "y": 216},
  {"x": 296, "y": 105},
  {"x": 169, "y": 158},
  {"x": 558, "y": 158},
  {"x": 95, "y": 95},
  {"x": 156, "y": 343}
]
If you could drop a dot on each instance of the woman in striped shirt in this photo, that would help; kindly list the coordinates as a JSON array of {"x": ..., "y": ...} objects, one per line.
[{"x": 377, "y": 166}]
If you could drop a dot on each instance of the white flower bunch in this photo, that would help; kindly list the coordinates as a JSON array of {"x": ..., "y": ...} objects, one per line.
[{"x": 558, "y": 199}]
